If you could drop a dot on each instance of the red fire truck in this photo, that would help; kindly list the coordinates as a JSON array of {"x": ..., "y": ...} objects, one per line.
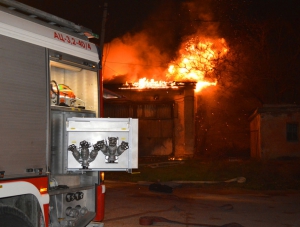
[{"x": 55, "y": 146}]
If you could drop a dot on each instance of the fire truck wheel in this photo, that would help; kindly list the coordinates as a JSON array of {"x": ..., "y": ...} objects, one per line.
[{"x": 12, "y": 217}]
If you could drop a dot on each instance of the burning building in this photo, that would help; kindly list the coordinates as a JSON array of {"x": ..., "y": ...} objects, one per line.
[{"x": 160, "y": 88}]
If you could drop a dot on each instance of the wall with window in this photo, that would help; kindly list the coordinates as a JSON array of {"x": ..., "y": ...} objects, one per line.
[{"x": 275, "y": 132}]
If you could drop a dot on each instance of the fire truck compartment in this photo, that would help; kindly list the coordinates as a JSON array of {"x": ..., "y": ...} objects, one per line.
[{"x": 102, "y": 144}]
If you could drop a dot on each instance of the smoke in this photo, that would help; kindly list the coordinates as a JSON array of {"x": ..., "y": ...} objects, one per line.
[
  {"x": 149, "y": 52},
  {"x": 131, "y": 57}
]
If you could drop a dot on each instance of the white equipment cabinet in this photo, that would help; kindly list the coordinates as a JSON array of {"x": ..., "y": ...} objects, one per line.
[{"x": 102, "y": 144}]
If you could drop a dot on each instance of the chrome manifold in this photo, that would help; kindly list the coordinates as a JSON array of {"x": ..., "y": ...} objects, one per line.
[
  {"x": 109, "y": 148},
  {"x": 84, "y": 156},
  {"x": 112, "y": 150}
]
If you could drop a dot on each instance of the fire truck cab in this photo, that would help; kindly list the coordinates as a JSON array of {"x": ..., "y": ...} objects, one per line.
[{"x": 55, "y": 146}]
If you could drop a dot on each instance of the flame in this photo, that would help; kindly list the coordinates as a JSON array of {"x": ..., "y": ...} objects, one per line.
[
  {"x": 197, "y": 60},
  {"x": 145, "y": 83},
  {"x": 202, "y": 84}
]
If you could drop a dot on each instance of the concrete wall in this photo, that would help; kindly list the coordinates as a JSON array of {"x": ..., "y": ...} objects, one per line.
[
  {"x": 184, "y": 123},
  {"x": 189, "y": 121},
  {"x": 255, "y": 138}
]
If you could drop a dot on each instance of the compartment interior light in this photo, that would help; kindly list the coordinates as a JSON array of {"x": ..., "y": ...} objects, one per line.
[{"x": 64, "y": 66}]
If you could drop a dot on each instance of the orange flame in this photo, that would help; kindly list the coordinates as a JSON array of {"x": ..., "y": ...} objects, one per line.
[
  {"x": 197, "y": 59},
  {"x": 145, "y": 83}
]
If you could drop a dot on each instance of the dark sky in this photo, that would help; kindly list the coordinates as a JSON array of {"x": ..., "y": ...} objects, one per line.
[
  {"x": 122, "y": 16},
  {"x": 178, "y": 17},
  {"x": 175, "y": 16}
]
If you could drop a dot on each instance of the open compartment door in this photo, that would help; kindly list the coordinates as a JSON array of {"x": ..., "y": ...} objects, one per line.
[{"x": 102, "y": 144}]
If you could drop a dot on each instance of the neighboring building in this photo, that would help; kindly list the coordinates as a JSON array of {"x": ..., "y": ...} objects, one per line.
[{"x": 274, "y": 132}]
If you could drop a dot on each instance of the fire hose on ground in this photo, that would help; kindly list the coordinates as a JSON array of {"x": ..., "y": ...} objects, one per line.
[{"x": 150, "y": 220}]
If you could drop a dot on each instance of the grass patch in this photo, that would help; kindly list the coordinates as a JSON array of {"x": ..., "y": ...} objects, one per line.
[{"x": 260, "y": 175}]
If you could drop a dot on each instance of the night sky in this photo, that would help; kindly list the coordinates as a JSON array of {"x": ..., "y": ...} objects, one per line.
[
  {"x": 122, "y": 16},
  {"x": 176, "y": 16}
]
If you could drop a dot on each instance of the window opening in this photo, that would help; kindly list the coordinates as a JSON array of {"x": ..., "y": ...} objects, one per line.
[{"x": 292, "y": 132}]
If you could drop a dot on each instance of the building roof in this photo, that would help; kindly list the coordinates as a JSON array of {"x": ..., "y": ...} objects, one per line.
[
  {"x": 275, "y": 109},
  {"x": 107, "y": 94}
]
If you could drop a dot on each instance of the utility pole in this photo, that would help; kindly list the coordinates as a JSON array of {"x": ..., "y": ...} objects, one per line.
[{"x": 101, "y": 45}]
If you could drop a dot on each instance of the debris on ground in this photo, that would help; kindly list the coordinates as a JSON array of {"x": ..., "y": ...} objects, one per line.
[{"x": 156, "y": 187}]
